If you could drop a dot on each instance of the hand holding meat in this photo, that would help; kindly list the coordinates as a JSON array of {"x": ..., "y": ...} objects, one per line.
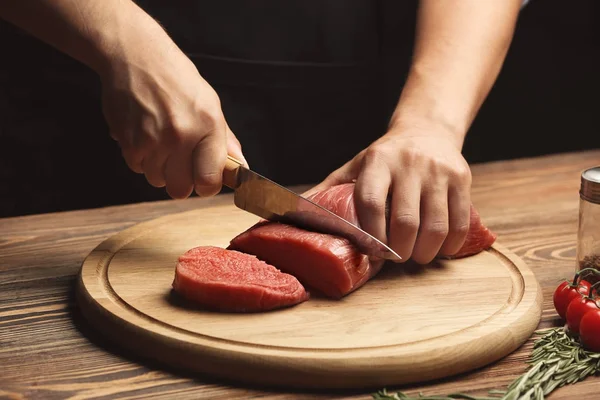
[
  {"x": 168, "y": 121},
  {"x": 418, "y": 163},
  {"x": 420, "y": 171}
]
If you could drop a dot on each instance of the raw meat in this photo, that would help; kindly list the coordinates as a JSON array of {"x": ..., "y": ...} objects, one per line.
[
  {"x": 479, "y": 237},
  {"x": 340, "y": 200},
  {"x": 329, "y": 263},
  {"x": 227, "y": 280}
]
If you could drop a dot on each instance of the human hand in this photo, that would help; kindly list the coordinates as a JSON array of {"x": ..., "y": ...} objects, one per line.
[
  {"x": 420, "y": 169},
  {"x": 168, "y": 121}
]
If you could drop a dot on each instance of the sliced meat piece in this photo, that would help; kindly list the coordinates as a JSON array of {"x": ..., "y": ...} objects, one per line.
[
  {"x": 479, "y": 237},
  {"x": 329, "y": 264},
  {"x": 340, "y": 200},
  {"x": 227, "y": 280}
]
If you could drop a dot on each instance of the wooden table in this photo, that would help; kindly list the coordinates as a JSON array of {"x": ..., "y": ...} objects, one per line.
[{"x": 48, "y": 351}]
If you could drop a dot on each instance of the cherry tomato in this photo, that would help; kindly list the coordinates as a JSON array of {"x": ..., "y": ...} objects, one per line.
[
  {"x": 566, "y": 292},
  {"x": 577, "y": 308},
  {"x": 589, "y": 331}
]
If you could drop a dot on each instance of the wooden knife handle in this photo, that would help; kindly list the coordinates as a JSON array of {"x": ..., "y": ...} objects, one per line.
[{"x": 230, "y": 173}]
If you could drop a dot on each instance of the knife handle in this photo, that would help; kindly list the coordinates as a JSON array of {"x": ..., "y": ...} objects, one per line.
[{"x": 230, "y": 173}]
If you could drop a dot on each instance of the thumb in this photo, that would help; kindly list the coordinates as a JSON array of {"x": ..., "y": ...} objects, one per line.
[{"x": 234, "y": 148}]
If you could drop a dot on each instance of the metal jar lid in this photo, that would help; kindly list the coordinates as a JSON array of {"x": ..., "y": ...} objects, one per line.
[{"x": 590, "y": 185}]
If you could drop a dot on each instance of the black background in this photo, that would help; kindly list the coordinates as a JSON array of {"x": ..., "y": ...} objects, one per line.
[{"x": 55, "y": 152}]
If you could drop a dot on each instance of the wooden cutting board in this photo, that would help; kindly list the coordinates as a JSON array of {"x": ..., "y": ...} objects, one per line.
[{"x": 409, "y": 324}]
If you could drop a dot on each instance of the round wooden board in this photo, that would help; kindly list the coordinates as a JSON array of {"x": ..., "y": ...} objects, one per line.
[{"x": 408, "y": 324}]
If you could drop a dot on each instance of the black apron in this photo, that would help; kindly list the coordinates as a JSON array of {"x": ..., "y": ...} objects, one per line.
[
  {"x": 305, "y": 85},
  {"x": 302, "y": 83}
]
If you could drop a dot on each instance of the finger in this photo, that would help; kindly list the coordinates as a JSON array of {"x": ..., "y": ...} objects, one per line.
[
  {"x": 459, "y": 213},
  {"x": 234, "y": 148},
  {"x": 178, "y": 174},
  {"x": 370, "y": 195},
  {"x": 208, "y": 160},
  {"x": 433, "y": 227},
  {"x": 154, "y": 168},
  {"x": 404, "y": 215}
]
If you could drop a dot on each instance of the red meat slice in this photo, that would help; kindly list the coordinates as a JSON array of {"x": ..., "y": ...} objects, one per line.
[
  {"x": 340, "y": 200},
  {"x": 329, "y": 263},
  {"x": 227, "y": 280},
  {"x": 479, "y": 237}
]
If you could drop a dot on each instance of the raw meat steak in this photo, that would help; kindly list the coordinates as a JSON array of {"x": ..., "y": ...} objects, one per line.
[
  {"x": 340, "y": 200},
  {"x": 227, "y": 280},
  {"x": 329, "y": 263},
  {"x": 479, "y": 237}
]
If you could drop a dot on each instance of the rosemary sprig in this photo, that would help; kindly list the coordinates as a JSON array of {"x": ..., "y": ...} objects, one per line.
[
  {"x": 384, "y": 395},
  {"x": 557, "y": 359}
]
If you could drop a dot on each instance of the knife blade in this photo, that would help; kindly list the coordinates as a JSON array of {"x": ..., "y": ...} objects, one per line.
[{"x": 262, "y": 197}]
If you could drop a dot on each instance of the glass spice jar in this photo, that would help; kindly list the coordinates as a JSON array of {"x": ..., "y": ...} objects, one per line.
[{"x": 588, "y": 234}]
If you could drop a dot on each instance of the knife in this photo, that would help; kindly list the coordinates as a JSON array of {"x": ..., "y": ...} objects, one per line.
[{"x": 262, "y": 197}]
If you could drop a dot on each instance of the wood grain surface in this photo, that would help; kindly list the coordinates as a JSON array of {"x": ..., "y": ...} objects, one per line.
[
  {"x": 48, "y": 351},
  {"x": 374, "y": 337}
]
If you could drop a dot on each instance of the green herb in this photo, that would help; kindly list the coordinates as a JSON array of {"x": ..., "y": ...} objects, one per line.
[
  {"x": 384, "y": 395},
  {"x": 557, "y": 359}
]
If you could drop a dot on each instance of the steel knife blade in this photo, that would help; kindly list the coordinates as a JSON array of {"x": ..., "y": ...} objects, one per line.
[{"x": 262, "y": 197}]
